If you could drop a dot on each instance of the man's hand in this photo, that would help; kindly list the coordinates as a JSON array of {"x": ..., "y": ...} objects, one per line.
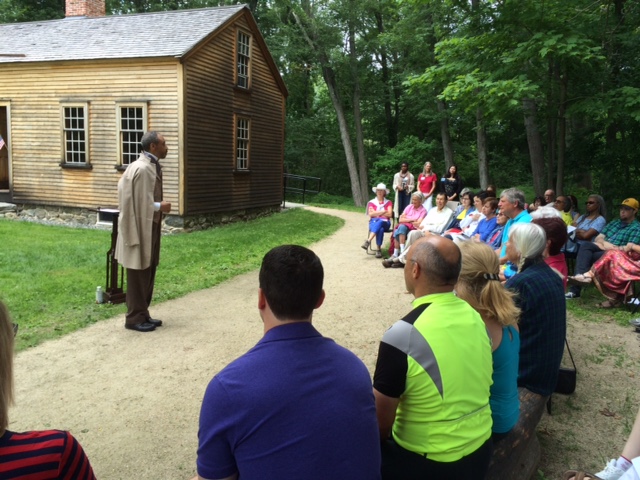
[{"x": 165, "y": 207}]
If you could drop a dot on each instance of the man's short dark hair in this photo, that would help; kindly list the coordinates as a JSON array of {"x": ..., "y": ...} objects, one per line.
[
  {"x": 291, "y": 279},
  {"x": 147, "y": 139},
  {"x": 441, "y": 194},
  {"x": 441, "y": 270}
]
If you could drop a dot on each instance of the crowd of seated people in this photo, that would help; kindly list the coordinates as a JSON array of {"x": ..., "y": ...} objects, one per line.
[{"x": 615, "y": 236}]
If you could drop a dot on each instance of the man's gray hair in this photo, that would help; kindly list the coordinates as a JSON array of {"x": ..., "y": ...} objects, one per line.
[
  {"x": 147, "y": 139},
  {"x": 513, "y": 195}
]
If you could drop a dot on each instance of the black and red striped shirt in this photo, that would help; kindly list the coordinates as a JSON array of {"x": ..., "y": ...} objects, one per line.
[{"x": 41, "y": 455}]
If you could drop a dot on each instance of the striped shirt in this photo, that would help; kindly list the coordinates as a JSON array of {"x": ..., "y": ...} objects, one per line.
[{"x": 42, "y": 455}]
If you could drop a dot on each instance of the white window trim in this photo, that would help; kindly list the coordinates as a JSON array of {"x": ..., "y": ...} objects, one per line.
[
  {"x": 248, "y": 56},
  {"x": 85, "y": 109},
  {"x": 247, "y": 149},
  {"x": 119, "y": 131}
]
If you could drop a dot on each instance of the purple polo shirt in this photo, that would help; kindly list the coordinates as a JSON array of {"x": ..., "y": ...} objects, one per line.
[{"x": 295, "y": 406}]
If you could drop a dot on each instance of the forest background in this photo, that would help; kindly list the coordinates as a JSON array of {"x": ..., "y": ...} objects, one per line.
[{"x": 541, "y": 92}]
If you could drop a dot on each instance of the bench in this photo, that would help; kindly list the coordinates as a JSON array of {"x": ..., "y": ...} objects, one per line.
[{"x": 518, "y": 454}]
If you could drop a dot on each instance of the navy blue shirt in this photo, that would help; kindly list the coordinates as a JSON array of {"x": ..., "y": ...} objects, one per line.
[
  {"x": 295, "y": 406},
  {"x": 543, "y": 326}
]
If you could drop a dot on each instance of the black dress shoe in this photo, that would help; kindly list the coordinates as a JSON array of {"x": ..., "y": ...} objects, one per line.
[
  {"x": 141, "y": 327},
  {"x": 155, "y": 323}
]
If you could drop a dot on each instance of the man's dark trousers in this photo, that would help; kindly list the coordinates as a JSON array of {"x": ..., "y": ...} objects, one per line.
[{"x": 588, "y": 254}]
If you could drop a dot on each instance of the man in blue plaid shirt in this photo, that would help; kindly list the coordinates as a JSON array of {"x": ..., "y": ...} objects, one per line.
[{"x": 614, "y": 236}]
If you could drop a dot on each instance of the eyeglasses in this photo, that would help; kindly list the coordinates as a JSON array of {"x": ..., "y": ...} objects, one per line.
[
  {"x": 589, "y": 203},
  {"x": 559, "y": 201}
]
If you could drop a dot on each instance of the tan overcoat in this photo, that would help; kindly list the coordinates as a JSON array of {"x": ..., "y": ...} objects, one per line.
[{"x": 135, "y": 224}]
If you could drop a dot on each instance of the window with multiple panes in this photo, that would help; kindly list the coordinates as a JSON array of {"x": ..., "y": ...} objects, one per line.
[
  {"x": 244, "y": 51},
  {"x": 132, "y": 120},
  {"x": 242, "y": 143},
  {"x": 75, "y": 134}
]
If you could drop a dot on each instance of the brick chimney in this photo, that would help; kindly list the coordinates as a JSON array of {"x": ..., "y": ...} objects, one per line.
[{"x": 85, "y": 8}]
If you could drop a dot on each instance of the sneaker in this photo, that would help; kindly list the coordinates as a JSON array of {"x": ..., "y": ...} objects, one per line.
[
  {"x": 366, "y": 244},
  {"x": 387, "y": 263},
  {"x": 610, "y": 472},
  {"x": 378, "y": 254},
  {"x": 571, "y": 295},
  {"x": 397, "y": 265}
]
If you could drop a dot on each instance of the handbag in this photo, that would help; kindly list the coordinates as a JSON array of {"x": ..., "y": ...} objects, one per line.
[{"x": 566, "y": 383}]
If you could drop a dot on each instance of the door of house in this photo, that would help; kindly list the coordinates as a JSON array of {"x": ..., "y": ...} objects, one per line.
[{"x": 4, "y": 148}]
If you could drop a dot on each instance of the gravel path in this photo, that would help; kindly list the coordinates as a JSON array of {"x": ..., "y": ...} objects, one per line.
[{"x": 133, "y": 400}]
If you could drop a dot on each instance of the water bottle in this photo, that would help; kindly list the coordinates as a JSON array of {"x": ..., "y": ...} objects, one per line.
[{"x": 99, "y": 295}]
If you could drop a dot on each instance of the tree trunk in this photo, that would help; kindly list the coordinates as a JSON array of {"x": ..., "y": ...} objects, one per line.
[
  {"x": 447, "y": 146},
  {"x": 357, "y": 115},
  {"x": 562, "y": 130},
  {"x": 536, "y": 152},
  {"x": 330, "y": 79},
  {"x": 356, "y": 188},
  {"x": 391, "y": 120},
  {"x": 481, "y": 139},
  {"x": 551, "y": 128}
]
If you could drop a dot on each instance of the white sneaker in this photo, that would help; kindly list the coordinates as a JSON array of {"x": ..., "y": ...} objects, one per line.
[{"x": 610, "y": 472}]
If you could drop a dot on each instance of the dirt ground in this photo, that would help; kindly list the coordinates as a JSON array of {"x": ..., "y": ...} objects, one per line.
[{"x": 133, "y": 399}]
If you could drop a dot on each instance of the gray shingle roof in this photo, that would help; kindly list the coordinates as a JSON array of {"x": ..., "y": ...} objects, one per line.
[{"x": 158, "y": 34}]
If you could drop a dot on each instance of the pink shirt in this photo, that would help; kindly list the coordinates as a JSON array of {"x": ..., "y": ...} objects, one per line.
[
  {"x": 558, "y": 262},
  {"x": 412, "y": 213},
  {"x": 379, "y": 207}
]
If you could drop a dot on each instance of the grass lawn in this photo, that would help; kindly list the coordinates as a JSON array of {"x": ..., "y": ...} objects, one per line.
[{"x": 48, "y": 274}]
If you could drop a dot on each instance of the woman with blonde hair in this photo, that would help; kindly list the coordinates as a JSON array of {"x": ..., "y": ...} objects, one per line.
[
  {"x": 479, "y": 285},
  {"x": 51, "y": 454}
]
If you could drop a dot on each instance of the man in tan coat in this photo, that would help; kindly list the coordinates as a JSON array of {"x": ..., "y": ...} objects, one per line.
[{"x": 139, "y": 228}]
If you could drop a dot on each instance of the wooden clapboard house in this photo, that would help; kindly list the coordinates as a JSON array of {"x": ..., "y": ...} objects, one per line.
[{"x": 76, "y": 94}]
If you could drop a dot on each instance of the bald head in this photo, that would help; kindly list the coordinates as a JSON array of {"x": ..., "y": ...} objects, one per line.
[{"x": 433, "y": 266}]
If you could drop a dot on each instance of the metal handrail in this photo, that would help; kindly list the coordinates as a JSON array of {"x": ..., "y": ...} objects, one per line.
[{"x": 288, "y": 177}]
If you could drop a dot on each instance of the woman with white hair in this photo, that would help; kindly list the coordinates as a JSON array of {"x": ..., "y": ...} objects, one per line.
[
  {"x": 543, "y": 318},
  {"x": 51, "y": 454}
]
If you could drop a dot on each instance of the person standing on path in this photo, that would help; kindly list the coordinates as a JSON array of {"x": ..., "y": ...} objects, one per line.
[
  {"x": 403, "y": 185},
  {"x": 139, "y": 229},
  {"x": 427, "y": 182},
  {"x": 297, "y": 405}
]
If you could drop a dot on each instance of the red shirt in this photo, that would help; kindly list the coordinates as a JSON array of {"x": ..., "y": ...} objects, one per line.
[
  {"x": 48, "y": 454},
  {"x": 425, "y": 183}
]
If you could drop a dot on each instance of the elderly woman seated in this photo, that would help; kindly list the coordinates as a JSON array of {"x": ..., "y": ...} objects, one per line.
[
  {"x": 543, "y": 318},
  {"x": 380, "y": 211},
  {"x": 409, "y": 220}
]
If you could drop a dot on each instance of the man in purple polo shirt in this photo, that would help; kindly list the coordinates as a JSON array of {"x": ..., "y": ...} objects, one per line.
[
  {"x": 297, "y": 405},
  {"x": 512, "y": 205}
]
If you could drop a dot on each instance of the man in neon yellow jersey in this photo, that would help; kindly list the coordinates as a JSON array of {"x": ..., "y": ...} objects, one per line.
[{"x": 433, "y": 375}]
